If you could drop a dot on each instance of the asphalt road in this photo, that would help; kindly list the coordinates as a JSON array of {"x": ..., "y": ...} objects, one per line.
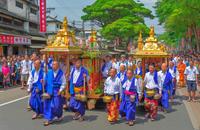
[{"x": 14, "y": 116}]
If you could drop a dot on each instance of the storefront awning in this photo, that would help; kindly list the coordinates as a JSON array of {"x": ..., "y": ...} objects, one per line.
[
  {"x": 37, "y": 46},
  {"x": 38, "y": 38}
]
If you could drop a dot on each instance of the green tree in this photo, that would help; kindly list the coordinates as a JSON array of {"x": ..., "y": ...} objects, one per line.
[
  {"x": 181, "y": 19},
  {"x": 118, "y": 19}
]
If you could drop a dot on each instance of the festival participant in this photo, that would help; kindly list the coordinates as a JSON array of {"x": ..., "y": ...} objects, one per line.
[
  {"x": 112, "y": 87},
  {"x": 78, "y": 78},
  {"x": 132, "y": 91},
  {"x": 123, "y": 61},
  {"x": 165, "y": 82},
  {"x": 26, "y": 68},
  {"x": 122, "y": 74},
  {"x": 35, "y": 87},
  {"x": 55, "y": 84},
  {"x": 174, "y": 72},
  {"x": 181, "y": 68},
  {"x": 50, "y": 62},
  {"x": 138, "y": 74},
  {"x": 151, "y": 88},
  {"x": 115, "y": 64},
  {"x": 43, "y": 63},
  {"x": 191, "y": 74},
  {"x": 63, "y": 67},
  {"x": 106, "y": 67},
  {"x": 130, "y": 62},
  {"x": 33, "y": 59},
  {"x": 175, "y": 60}
]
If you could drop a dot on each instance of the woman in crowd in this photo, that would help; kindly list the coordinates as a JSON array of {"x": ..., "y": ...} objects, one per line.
[{"x": 6, "y": 75}]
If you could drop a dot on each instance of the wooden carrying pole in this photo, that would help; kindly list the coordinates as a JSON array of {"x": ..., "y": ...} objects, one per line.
[{"x": 84, "y": 93}]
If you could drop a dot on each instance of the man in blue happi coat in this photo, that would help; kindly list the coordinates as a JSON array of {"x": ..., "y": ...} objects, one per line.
[
  {"x": 78, "y": 78},
  {"x": 165, "y": 82},
  {"x": 131, "y": 93},
  {"x": 174, "y": 72},
  {"x": 122, "y": 76},
  {"x": 35, "y": 88},
  {"x": 107, "y": 65},
  {"x": 55, "y": 84}
]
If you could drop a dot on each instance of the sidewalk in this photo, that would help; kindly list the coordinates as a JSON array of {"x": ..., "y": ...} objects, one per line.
[{"x": 193, "y": 108}]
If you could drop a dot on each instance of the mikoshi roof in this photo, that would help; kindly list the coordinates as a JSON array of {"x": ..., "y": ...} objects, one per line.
[
  {"x": 63, "y": 42},
  {"x": 151, "y": 48}
]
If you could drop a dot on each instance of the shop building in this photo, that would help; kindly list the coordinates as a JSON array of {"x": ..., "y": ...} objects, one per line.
[{"x": 19, "y": 27}]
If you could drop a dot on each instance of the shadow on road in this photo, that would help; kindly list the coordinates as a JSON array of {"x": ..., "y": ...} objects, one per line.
[
  {"x": 91, "y": 118},
  {"x": 66, "y": 119}
]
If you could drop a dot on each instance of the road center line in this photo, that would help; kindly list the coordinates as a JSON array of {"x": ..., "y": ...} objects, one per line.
[{"x": 6, "y": 103}]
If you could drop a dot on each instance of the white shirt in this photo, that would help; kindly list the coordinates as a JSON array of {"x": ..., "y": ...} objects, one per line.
[
  {"x": 130, "y": 63},
  {"x": 161, "y": 78},
  {"x": 138, "y": 71},
  {"x": 115, "y": 65},
  {"x": 122, "y": 75},
  {"x": 33, "y": 79},
  {"x": 149, "y": 81},
  {"x": 112, "y": 86},
  {"x": 44, "y": 63},
  {"x": 123, "y": 63},
  {"x": 32, "y": 65},
  {"x": 108, "y": 65},
  {"x": 127, "y": 86},
  {"x": 76, "y": 75},
  {"x": 26, "y": 67},
  {"x": 175, "y": 60},
  {"x": 63, "y": 67},
  {"x": 63, "y": 79},
  {"x": 174, "y": 74},
  {"x": 191, "y": 73}
]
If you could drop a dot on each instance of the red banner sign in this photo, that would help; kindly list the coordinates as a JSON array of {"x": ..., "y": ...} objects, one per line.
[
  {"x": 43, "y": 16},
  {"x": 7, "y": 39},
  {"x": 11, "y": 39}
]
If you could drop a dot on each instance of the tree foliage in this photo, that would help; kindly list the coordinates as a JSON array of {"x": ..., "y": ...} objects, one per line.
[
  {"x": 181, "y": 19},
  {"x": 118, "y": 18}
]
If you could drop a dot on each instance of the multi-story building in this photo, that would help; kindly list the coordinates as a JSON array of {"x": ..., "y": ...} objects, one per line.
[
  {"x": 53, "y": 26},
  {"x": 19, "y": 27}
]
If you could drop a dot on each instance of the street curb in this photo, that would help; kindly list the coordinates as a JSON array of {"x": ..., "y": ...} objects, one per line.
[{"x": 191, "y": 114}]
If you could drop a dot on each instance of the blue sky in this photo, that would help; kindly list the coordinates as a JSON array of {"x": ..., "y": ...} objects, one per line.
[{"x": 73, "y": 10}]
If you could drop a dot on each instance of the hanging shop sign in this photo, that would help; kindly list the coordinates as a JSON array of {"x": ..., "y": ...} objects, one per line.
[{"x": 12, "y": 39}]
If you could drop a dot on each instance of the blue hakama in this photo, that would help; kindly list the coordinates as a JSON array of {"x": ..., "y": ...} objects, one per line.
[
  {"x": 35, "y": 101},
  {"x": 77, "y": 106},
  {"x": 53, "y": 107}
]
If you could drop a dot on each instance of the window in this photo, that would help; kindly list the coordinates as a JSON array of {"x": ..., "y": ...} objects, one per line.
[
  {"x": 7, "y": 21},
  {"x": 33, "y": 11},
  {"x": 18, "y": 23},
  {"x": 57, "y": 25},
  {"x": 33, "y": 25},
  {"x": 19, "y": 4}
]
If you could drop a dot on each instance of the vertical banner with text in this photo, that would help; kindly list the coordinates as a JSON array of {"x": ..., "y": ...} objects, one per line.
[{"x": 43, "y": 16}]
